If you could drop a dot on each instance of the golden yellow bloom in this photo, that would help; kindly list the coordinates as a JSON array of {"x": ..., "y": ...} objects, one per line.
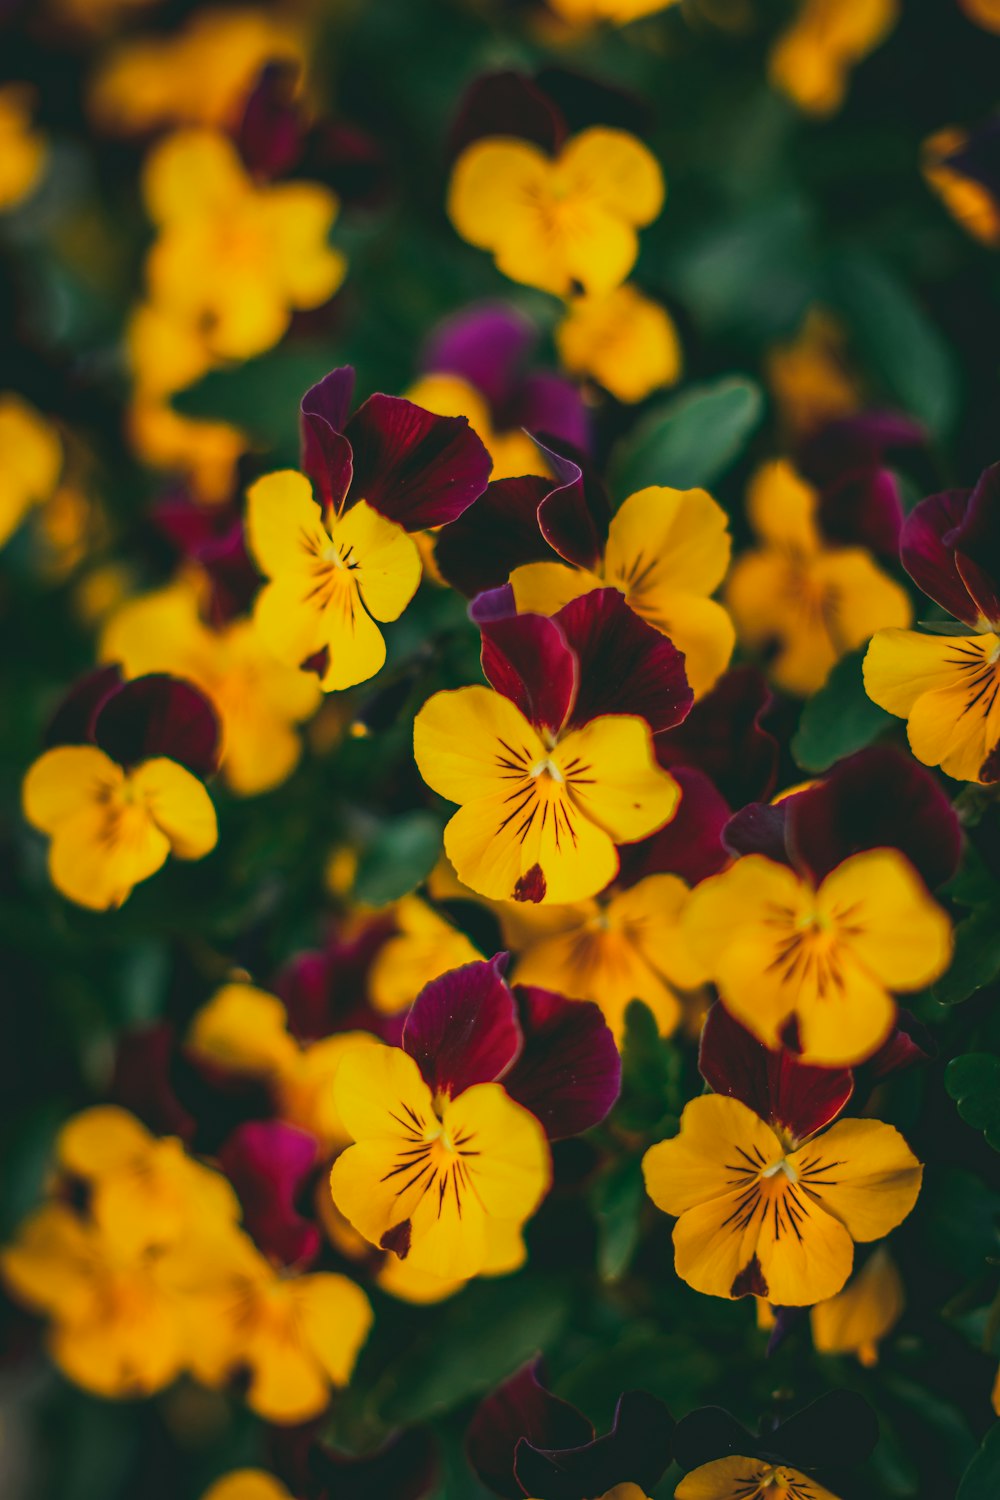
[
  {"x": 809, "y": 376},
  {"x": 985, "y": 13},
  {"x": 99, "y": 15},
  {"x": 513, "y": 453},
  {"x": 868, "y": 1308},
  {"x": 232, "y": 259},
  {"x": 110, "y": 827},
  {"x": 812, "y": 601},
  {"x": 617, "y": 12},
  {"x": 247, "y": 1484},
  {"x": 259, "y": 699},
  {"x": 811, "y": 62},
  {"x": 23, "y": 152},
  {"x": 749, "y": 1479},
  {"x": 667, "y": 550},
  {"x": 826, "y": 960},
  {"x": 32, "y": 460},
  {"x": 424, "y": 946},
  {"x": 558, "y": 223},
  {"x": 623, "y": 340},
  {"x": 969, "y": 202}
]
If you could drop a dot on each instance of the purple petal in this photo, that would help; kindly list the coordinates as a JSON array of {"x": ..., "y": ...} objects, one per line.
[
  {"x": 519, "y": 1409},
  {"x": 142, "y": 1083},
  {"x": 463, "y": 1027},
  {"x": 863, "y": 509},
  {"x": 493, "y": 604},
  {"x": 528, "y": 660},
  {"x": 977, "y": 545},
  {"x": 877, "y": 798},
  {"x": 860, "y": 441},
  {"x": 404, "y": 1468},
  {"x": 549, "y": 403},
  {"x": 759, "y": 828},
  {"x": 159, "y": 715},
  {"x": 690, "y": 845},
  {"x": 927, "y": 552},
  {"x": 637, "y": 1450},
  {"x": 326, "y": 451},
  {"x": 326, "y": 990},
  {"x": 775, "y": 1085},
  {"x": 506, "y": 103},
  {"x": 73, "y": 720},
  {"x": 269, "y": 1163},
  {"x": 723, "y": 735},
  {"x": 575, "y": 515},
  {"x": 625, "y": 665},
  {"x": 214, "y": 539},
  {"x": 495, "y": 535},
  {"x": 487, "y": 345},
  {"x": 271, "y": 136},
  {"x": 569, "y": 1073},
  {"x": 416, "y": 469}
]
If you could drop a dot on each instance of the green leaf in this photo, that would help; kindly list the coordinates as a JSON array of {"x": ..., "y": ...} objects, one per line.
[
  {"x": 981, "y": 1480},
  {"x": 650, "y": 1094},
  {"x": 618, "y": 1200},
  {"x": 399, "y": 858},
  {"x": 976, "y": 959},
  {"x": 262, "y": 396},
  {"x": 691, "y": 439},
  {"x": 897, "y": 341},
  {"x": 973, "y": 1081},
  {"x": 839, "y": 719}
]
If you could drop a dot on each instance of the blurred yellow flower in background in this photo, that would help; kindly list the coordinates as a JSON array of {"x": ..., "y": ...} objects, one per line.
[
  {"x": 23, "y": 152},
  {"x": 623, "y": 340},
  {"x": 811, "y": 62}
]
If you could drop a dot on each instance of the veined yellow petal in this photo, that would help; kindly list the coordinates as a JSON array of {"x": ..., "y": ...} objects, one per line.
[
  {"x": 613, "y": 777},
  {"x": 736, "y": 1478},
  {"x": 178, "y": 804},
  {"x": 66, "y": 781},
  {"x": 459, "y": 740},
  {"x": 284, "y": 527},
  {"x": 888, "y": 919},
  {"x": 695, "y": 1166},
  {"x": 494, "y": 181},
  {"x": 864, "y": 1173},
  {"x": 383, "y": 558}
]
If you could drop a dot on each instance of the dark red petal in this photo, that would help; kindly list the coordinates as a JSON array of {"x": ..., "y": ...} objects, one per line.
[
  {"x": 326, "y": 990},
  {"x": 326, "y": 451},
  {"x": 159, "y": 715},
  {"x": 213, "y": 538},
  {"x": 759, "y": 828},
  {"x": 637, "y": 1451},
  {"x": 849, "y": 445},
  {"x": 690, "y": 845},
  {"x": 142, "y": 1081},
  {"x": 625, "y": 665},
  {"x": 487, "y": 345},
  {"x": 527, "y": 659},
  {"x": 463, "y": 1027},
  {"x": 506, "y": 103},
  {"x": 874, "y": 799},
  {"x": 269, "y": 1163},
  {"x": 569, "y": 1072},
  {"x": 575, "y": 515},
  {"x": 520, "y": 1408},
  {"x": 494, "y": 536},
  {"x": 863, "y": 509},
  {"x": 416, "y": 469},
  {"x": 909, "y": 1045},
  {"x": 405, "y": 1468},
  {"x": 549, "y": 403},
  {"x": 926, "y": 550},
  {"x": 775, "y": 1085},
  {"x": 723, "y": 735},
  {"x": 977, "y": 545},
  {"x": 271, "y": 136},
  {"x": 73, "y": 720}
]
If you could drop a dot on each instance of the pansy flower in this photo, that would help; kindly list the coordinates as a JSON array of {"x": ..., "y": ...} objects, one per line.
[
  {"x": 23, "y": 150},
  {"x": 810, "y": 376},
  {"x": 339, "y": 563},
  {"x": 621, "y": 339},
  {"x": 811, "y": 62},
  {"x": 963, "y": 169},
  {"x": 120, "y": 788},
  {"x": 768, "y": 1200},
  {"x": 945, "y": 682},
  {"x": 864, "y": 1313},
  {"x": 423, "y": 946},
  {"x": 451, "y": 1129},
  {"x": 554, "y": 766},
  {"x": 614, "y": 12},
  {"x": 32, "y": 461},
  {"x": 523, "y": 1440}
]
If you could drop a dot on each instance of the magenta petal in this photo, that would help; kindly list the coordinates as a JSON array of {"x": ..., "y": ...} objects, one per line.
[
  {"x": 506, "y": 103},
  {"x": 326, "y": 451},
  {"x": 637, "y": 1451},
  {"x": 575, "y": 515},
  {"x": 977, "y": 545},
  {"x": 874, "y": 799},
  {"x": 625, "y": 665},
  {"x": 494, "y": 536},
  {"x": 493, "y": 604},
  {"x": 519, "y": 1409},
  {"x": 552, "y": 404},
  {"x": 863, "y": 509},
  {"x": 463, "y": 1027},
  {"x": 404, "y": 1468},
  {"x": 775, "y": 1085},
  {"x": 159, "y": 715},
  {"x": 268, "y": 1163},
  {"x": 486, "y": 345},
  {"x": 569, "y": 1073},
  {"x": 927, "y": 552},
  {"x": 723, "y": 735},
  {"x": 272, "y": 135},
  {"x": 528, "y": 660},
  {"x": 142, "y": 1081},
  {"x": 690, "y": 845},
  {"x": 416, "y": 469},
  {"x": 759, "y": 828},
  {"x": 73, "y": 720}
]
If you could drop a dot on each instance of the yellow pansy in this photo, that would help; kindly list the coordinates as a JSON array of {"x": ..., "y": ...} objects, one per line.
[
  {"x": 868, "y": 1308},
  {"x": 810, "y": 377},
  {"x": 749, "y": 1479},
  {"x": 616, "y": 12},
  {"x": 811, "y": 62},
  {"x": 32, "y": 460},
  {"x": 623, "y": 340},
  {"x": 23, "y": 152},
  {"x": 423, "y": 946}
]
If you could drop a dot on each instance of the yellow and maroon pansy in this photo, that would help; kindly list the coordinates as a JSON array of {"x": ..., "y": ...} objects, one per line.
[
  {"x": 336, "y": 552},
  {"x": 963, "y": 168}
]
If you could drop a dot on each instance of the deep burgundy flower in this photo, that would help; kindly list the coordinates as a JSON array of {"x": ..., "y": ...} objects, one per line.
[
  {"x": 156, "y": 715},
  {"x": 950, "y": 546}
]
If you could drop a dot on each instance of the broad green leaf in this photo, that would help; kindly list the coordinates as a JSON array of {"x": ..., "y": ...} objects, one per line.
[
  {"x": 839, "y": 719},
  {"x": 650, "y": 1098},
  {"x": 976, "y": 960},
  {"x": 691, "y": 439},
  {"x": 981, "y": 1480},
  {"x": 619, "y": 1197},
  {"x": 399, "y": 858},
  {"x": 973, "y": 1081}
]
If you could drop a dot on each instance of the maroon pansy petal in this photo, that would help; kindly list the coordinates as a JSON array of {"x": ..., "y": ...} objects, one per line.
[
  {"x": 977, "y": 545},
  {"x": 214, "y": 539},
  {"x": 927, "y": 553},
  {"x": 142, "y": 1081},
  {"x": 494, "y": 536},
  {"x": 72, "y": 723},
  {"x": 527, "y": 659},
  {"x": 269, "y": 1163},
  {"x": 413, "y": 467},
  {"x": 271, "y": 136},
  {"x": 553, "y": 404},
  {"x": 775, "y": 1085},
  {"x": 690, "y": 845},
  {"x": 519, "y": 1409},
  {"x": 863, "y": 509},
  {"x": 625, "y": 665},
  {"x": 723, "y": 735},
  {"x": 486, "y": 345},
  {"x": 463, "y": 1027},
  {"x": 878, "y": 798},
  {"x": 493, "y": 604},
  {"x": 506, "y": 103},
  {"x": 759, "y": 828},
  {"x": 325, "y": 990},
  {"x": 637, "y": 1451},
  {"x": 159, "y": 715},
  {"x": 404, "y": 1468},
  {"x": 909, "y": 1045},
  {"x": 575, "y": 515},
  {"x": 326, "y": 452},
  {"x": 569, "y": 1072},
  {"x": 848, "y": 445}
]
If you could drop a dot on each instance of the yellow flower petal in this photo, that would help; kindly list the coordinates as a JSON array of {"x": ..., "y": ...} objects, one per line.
[
  {"x": 617, "y": 169},
  {"x": 178, "y": 804},
  {"x": 335, "y": 1317},
  {"x": 492, "y": 181},
  {"x": 691, "y": 1168},
  {"x": 67, "y": 781},
  {"x": 458, "y": 739},
  {"x": 894, "y": 927},
  {"x": 864, "y": 1173},
  {"x": 866, "y": 1310},
  {"x": 190, "y": 173},
  {"x": 101, "y": 1140},
  {"x": 384, "y": 561},
  {"x": 543, "y": 588},
  {"x": 746, "y": 1479},
  {"x": 614, "y": 778},
  {"x": 285, "y": 529},
  {"x": 247, "y": 1484},
  {"x": 243, "y": 1029}
]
